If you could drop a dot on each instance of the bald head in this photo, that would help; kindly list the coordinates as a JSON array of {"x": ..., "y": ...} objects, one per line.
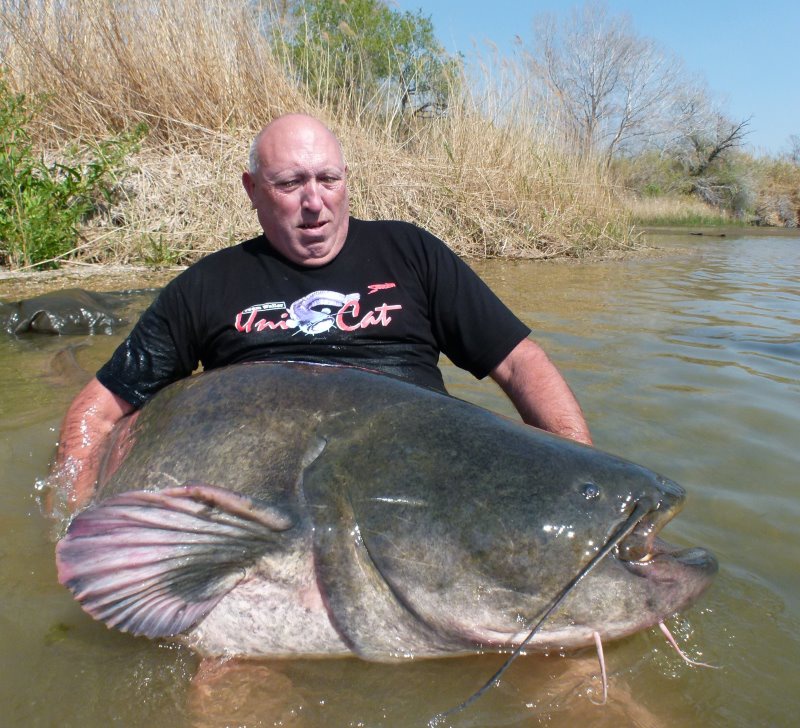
[
  {"x": 282, "y": 127},
  {"x": 296, "y": 181}
]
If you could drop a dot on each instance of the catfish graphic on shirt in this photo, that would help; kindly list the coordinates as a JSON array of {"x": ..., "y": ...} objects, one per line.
[{"x": 317, "y": 313}]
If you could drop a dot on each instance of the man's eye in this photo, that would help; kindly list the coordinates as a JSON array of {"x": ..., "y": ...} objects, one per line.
[{"x": 288, "y": 184}]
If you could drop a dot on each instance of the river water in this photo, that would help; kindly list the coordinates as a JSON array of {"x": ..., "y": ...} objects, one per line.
[{"x": 687, "y": 362}]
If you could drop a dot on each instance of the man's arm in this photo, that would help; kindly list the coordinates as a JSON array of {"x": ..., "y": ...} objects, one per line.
[
  {"x": 86, "y": 427},
  {"x": 540, "y": 393}
]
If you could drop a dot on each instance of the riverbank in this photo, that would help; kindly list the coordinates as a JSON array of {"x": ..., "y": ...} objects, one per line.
[
  {"x": 186, "y": 86},
  {"x": 484, "y": 174},
  {"x": 654, "y": 232},
  {"x": 15, "y": 285}
]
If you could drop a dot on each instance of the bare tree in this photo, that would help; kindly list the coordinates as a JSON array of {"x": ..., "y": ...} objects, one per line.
[
  {"x": 702, "y": 134},
  {"x": 614, "y": 87},
  {"x": 702, "y": 143},
  {"x": 794, "y": 149}
]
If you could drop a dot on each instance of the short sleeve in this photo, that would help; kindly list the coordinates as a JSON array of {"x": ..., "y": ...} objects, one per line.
[
  {"x": 159, "y": 350},
  {"x": 474, "y": 328}
]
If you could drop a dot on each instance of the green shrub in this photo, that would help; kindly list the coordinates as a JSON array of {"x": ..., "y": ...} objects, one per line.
[{"x": 43, "y": 205}]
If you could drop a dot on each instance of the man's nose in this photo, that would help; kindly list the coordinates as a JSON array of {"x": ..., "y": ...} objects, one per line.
[{"x": 311, "y": 198}]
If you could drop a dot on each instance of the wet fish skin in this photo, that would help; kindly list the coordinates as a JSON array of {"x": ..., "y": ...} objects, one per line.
[
  {"x": 69, "y": 311},
  {"x": 327, "y": 510}
]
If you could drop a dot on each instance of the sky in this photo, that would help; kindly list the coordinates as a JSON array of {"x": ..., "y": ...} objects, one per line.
[{"x": 748, "y": 52}]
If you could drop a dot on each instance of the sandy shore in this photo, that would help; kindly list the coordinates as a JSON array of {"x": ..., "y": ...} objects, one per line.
[{"x": 16, "y": 285}]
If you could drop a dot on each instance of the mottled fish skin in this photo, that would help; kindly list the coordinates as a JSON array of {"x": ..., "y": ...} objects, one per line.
[
  {"x": 69, "y": 311},
  {"x": 281, "y": 509}
]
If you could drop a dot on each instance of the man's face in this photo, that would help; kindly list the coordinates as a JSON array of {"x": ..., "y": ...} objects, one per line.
[{"x": 300, "y": 190}]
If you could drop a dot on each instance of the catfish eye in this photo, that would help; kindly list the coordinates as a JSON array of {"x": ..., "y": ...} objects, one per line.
[{"x": 590, "y": 491}]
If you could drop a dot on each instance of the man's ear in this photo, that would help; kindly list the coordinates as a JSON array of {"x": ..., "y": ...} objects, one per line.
[{"x": 249, "y": 185}]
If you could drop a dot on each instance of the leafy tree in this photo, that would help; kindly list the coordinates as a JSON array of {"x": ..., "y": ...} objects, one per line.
[{"x": 363, "y": 50}]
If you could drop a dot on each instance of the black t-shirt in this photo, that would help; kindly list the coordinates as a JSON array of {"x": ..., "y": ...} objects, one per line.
[{"x": 393, "y": 298}]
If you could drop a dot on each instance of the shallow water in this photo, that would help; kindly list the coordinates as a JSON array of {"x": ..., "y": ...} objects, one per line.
[{"x": 688, "y": 363}]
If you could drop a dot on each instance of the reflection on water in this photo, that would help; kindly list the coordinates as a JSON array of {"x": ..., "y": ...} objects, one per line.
[{"x": 688, "y": 363}]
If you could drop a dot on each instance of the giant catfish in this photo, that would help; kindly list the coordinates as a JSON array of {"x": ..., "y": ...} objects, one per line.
[
  {"x": 69, "y": 311},
  {"x": 279, "y": 509}
]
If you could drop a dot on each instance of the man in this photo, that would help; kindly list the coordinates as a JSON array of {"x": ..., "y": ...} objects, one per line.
[{"x": 317, "y": 286}]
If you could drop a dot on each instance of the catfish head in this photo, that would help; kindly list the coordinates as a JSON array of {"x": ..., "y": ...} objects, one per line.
[{"x": 478, "y": 524}]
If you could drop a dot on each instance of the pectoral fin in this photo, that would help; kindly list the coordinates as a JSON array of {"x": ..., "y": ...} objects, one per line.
[
  {"x": 156, "y": 563},
  {"x": 374, "y": 619}
]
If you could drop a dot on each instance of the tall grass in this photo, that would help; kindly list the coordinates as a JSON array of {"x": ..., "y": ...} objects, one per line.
[
  {"x": 489, "y": 177},
  {"x": 678, "y": 211}
]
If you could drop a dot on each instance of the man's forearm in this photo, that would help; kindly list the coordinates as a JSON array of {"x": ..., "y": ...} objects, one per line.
[
  {"x": 540, "y": 393},
  {"x": 84, "y": 431}
]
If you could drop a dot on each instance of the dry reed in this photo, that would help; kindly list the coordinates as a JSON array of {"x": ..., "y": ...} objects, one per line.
[
  {"x": 676, "y": 211},
  {"x": 489, "y": 177}
]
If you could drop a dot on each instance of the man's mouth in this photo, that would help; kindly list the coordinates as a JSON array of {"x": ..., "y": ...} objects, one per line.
[{"x": 312, "y": 225}]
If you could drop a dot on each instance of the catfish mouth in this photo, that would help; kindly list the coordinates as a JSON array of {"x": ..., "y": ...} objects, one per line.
[
  {"x": 659, "y": 552},
  {"x": 639, "y": 543},
  {"x": 643, "y": 548},
  {"x": 642, "y": 543}
]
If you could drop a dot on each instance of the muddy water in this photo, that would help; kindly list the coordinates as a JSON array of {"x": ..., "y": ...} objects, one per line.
[{"x": 688, "y": 363}]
